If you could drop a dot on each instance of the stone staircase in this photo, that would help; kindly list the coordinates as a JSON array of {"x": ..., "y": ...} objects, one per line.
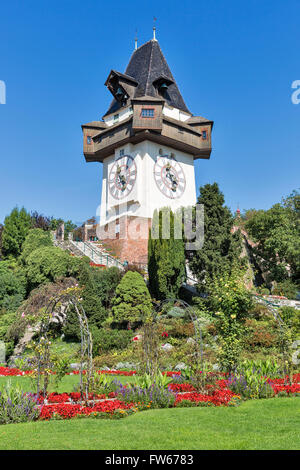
[
  {"x": 96, "y": 254},
  {"x": 68, "y": 246}
]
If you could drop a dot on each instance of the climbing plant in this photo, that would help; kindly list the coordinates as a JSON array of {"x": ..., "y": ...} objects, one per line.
[
  {"x": 150, "y": 343},
  {"x": 70, "y": 300}
]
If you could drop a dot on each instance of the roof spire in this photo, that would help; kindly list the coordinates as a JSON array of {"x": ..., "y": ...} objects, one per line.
[
  {"x": 154, "y": 28},
  {"x": 135, "y": 40}
]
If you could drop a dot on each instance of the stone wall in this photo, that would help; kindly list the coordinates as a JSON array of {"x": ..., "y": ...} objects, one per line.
[{"x": 128, "y": 239}]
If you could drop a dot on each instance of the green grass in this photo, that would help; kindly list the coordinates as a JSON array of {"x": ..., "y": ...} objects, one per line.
[
  {"x": 257, "y": 424},
  {"x": 66, "y": 385}
]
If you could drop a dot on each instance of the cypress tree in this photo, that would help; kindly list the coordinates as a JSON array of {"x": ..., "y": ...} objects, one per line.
[
  {"x": 166, "y": 261},
  {"x": 221, "y": 248}
]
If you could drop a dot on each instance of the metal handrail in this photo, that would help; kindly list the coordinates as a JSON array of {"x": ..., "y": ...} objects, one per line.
[
  {"x": 114, "y": 261},
  {"x": 105, "y": 259}
]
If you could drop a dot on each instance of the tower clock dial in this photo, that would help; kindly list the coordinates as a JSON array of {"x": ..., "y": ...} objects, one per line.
[
  {"x": 169, "y": 176},
  {"x": 122, "y": 177}
]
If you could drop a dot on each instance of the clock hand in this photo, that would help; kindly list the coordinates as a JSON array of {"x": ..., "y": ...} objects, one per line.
[{"x": 172, "y": 178}]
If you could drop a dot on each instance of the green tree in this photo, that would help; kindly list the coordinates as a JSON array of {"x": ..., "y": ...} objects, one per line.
[
  {"x": 12, "y": 287},
  {"x": 36, "y": 238},
  {"x": 132, "y": 302},
  {"x": 166, "y": 260},
  {"x": 69, "y": 226},
  {"x": 229, "y": 302},
  {"x": 277, "y": 234},
  {"x": 40, "y": 221},
  {"x": 16, "y": 228},
  {"x": 221, "y": 248},
  {"x": 48, "y": 263},
  {"x": 293, "y": 202},
  {"x": 1, "y": 232},
  {"x": 99, "y": 287},
  {"x": 106, "y": 282}
]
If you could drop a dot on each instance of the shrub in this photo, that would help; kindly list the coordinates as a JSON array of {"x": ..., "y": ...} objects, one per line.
[
  {"x": 180, "y": 329},
  {"x": 157, "y": 397},
  {"x": 35, "y": 239},
  {"x": 105, "y": 340},
  {"x": 99, "y": 289},
  {"x": 176, "y": 312},
  {"x": 48, "y": 264},
  {"x": 102, "y": 282},
  {"x": 17, "y": 406},
  {"x": 132, "y": 302},
  {"x": 259, "y": 311},
  {"x": 286, "y": 288},
  {"x": 267, "y": 368},
  {"x": 71, "y": 328},
  {"x": 93, "y": 307},
  {"x": 229, "y": 352},
  {"x": 16, "y": 330},
  {"x": 263, "y": 290},
  {"x": 12, "y": 288},
  {"x": 291, "y": 317},
  {"x": 259, "y": 334},
  {"x": 6, "y": 320},
  {"x": 229, "y": 295},
  {"x": 250, "y": 386}
]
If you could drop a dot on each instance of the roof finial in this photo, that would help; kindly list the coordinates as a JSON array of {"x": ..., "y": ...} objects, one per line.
[
  {"x": 135, "y": 40},
  {"x": 154, "y": 28}
]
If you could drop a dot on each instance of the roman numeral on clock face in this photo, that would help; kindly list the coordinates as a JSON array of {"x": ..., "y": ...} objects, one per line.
[
  {"x": 169, "y": 177},
  {"x": 122, "y": 177}
]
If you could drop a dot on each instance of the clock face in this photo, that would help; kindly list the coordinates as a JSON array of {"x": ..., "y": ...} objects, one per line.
[
  {"x": 122, "y": 177},
  {"x": 169, "y": 176}
]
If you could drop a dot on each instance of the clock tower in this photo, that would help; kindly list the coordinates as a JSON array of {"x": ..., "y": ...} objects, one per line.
[{"x": 147, "y": 142}]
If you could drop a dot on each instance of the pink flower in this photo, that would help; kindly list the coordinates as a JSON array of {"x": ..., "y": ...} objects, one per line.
[{"x": 23, "y": 315}]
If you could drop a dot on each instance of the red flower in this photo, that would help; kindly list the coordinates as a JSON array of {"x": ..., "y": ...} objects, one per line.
[{"x": 165, "y": 334}]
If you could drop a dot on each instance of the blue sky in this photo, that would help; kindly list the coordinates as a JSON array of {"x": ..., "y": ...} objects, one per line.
[{"x": 234, "y": 62}]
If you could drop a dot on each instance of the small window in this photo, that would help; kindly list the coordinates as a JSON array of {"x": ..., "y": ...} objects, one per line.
[
  {"x": 204, "y": 135},
  {"x": 147, "y": 113},
  {"x": 89, "y": 140},
  {"x": 116, "y": 117},
  {"x": 121, "y": 152}
]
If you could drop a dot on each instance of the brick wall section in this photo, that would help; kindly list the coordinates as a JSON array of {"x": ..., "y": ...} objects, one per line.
[{"x": 132, "y": 244}]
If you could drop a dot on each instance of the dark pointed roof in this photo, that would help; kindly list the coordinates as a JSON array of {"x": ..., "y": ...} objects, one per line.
[{"x": 146, "y": 65}]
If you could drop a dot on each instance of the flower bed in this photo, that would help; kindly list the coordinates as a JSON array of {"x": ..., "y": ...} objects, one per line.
[
  {"x": 176, "y": 388},
  {"x": 126, "y": 373},
  {"x": 218, "y": 392},
  {"x": 295, "y": 380},
  {"x": 106, "y": 408},
  {"x": 74, "y": 397},
  {"x": 288, "y": 389},
  {"x": 10, "y": 372},
  {"x": 13, "y": 371},
  {"x": 218, "y": 397}
]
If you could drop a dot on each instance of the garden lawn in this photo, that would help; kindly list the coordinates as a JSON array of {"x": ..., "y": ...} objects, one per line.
[
  {"x": 256, "y": 424},
  {"x": 66, "y": 385}
]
